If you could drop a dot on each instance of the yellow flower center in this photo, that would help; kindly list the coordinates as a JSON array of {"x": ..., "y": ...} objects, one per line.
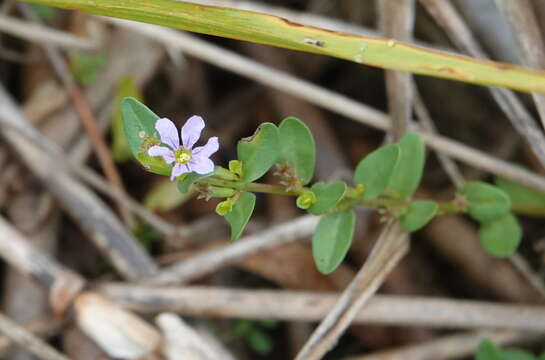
[{"x": 182, "y": 156}]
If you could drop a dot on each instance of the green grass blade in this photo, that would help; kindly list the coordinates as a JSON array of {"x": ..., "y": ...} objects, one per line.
[{"x": 272, "y": 30}]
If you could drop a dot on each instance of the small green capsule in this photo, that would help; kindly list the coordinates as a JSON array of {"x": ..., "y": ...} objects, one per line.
[
  {"x": 306, "y": 200},
  {"x": 224, "y": 207}
]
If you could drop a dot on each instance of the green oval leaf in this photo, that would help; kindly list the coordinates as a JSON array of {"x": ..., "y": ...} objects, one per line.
[
  {"x": 298, "y": 147},
  {"x": 139, "y": 125},
  {"x": 185, "y": 181},
  {"x": 327, "y": 196},
  {"x": 374, "y": 170},
  {"x": 239, "y": 216},
  {"x": 408, "y": 171},
  {"x": 487, "y": 350},
  {"x": 258, "y": 152},
  {"x": 420, "y": 212},
  {"x": 500, "y": 237},
  {"x": 523, "y": 199},
  {"x": 332, "y": 240},
  {"x": 485, "y": 201}
]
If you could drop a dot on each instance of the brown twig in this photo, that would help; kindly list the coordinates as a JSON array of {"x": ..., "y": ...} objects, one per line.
[
  {"x": 387, "y": 252},
  {"x": 28, "y": 340},
  {"x": 61, "y": 283},
  {"x": 209, "y": 261},
  {"x": 84, "y": 112},
  {"x": 396, "y": 20},
  {"x": 520, "y": 14},
  {"x": 451, "y": 346},
  {"x": 41, "y": 156},
  {"x": 307, "y": 306},
  {"x": 446, "y": 16}
]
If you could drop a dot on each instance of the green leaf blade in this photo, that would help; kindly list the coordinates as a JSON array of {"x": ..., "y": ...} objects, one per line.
[
  {"x": 139, "y": 124},
  {"x": 420, "y": 212},
  {"x": 327, "y": 196},
  {"x": 375, "y": 170},
  {"x": 298, "y": 147},
  {"x": 485, "y": 201},
  {"x": 500, "y": 237},
  {"x": 407, "y": 174},
  {"x": 259, "y": 152},
  {"x": 332, "y": 240},
  {"x": 240, "y": 215}
]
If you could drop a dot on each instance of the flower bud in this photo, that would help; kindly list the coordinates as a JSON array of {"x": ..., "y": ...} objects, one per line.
[
  {"x": 235, "y": 166},
  {"x": 224, "y": 207},
  {"x": 306, "y": 200}
]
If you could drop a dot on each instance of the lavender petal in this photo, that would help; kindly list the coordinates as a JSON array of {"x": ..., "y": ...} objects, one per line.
[
  {"x": 178, "y": 170},
  {"x": 201, "y": 165},
  {"x": 211, "y": 147},
  {"x": 191, "y": 131},
  {"x": 168, "y": 133}
]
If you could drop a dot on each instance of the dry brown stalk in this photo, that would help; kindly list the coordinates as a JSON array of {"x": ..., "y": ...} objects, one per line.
[
  {"x": 28, "y": 340},
  {"x": 391, "y": 246},
  {"x": 38, "y": 33},
  {"x": 451, "y": 346},
  {"x": 307, "y": 306},
  {"x": 207, "y": 262},
  {"x": 446, "y": 16},
  {"x": 520, "y": 14},
  {"x": 104, "y": 229},
  {"x": 396, "y": 20},
  {"x": 61, "y": 283},
  {"x": 84, "y": 111}
]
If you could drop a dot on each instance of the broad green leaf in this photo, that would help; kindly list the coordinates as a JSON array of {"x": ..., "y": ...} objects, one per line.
[
  {"x": 164, "y": 197},
  {"x": 271, "y": 30},
  {"x": 374, "y": 170},
  {"x": 259, "y": 341},
  {"x": 85, "y": 66},
  {"x": 485, "y": 201},
  {"x": 501, "y": 236},
  {"x": 154, "y": 164},
  {"x": 120, "y": 147},
  {"x": 420, "y": 212},
  {"x": 298, "y": 148},
  {"x": 523, "y": 199},
  {"x": 487, "y": 350},
  {"x": 327, "y": 196},
  {"x": 517, "y": 354},
  {"x": 258, "y": 152},
  {"x": 332, "y": 240},
  {"x": 185, "y": 182},
  {"x": 408, "y": 170},
  {"x": 139, "y": 125},
  {"x": 239, "y": 216}
]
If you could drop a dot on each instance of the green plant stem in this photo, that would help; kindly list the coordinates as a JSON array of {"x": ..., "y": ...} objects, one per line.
[{"x": 352, "y": 197}]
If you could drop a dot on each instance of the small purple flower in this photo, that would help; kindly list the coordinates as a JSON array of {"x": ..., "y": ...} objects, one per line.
[{"x": 186, "y": 158}]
